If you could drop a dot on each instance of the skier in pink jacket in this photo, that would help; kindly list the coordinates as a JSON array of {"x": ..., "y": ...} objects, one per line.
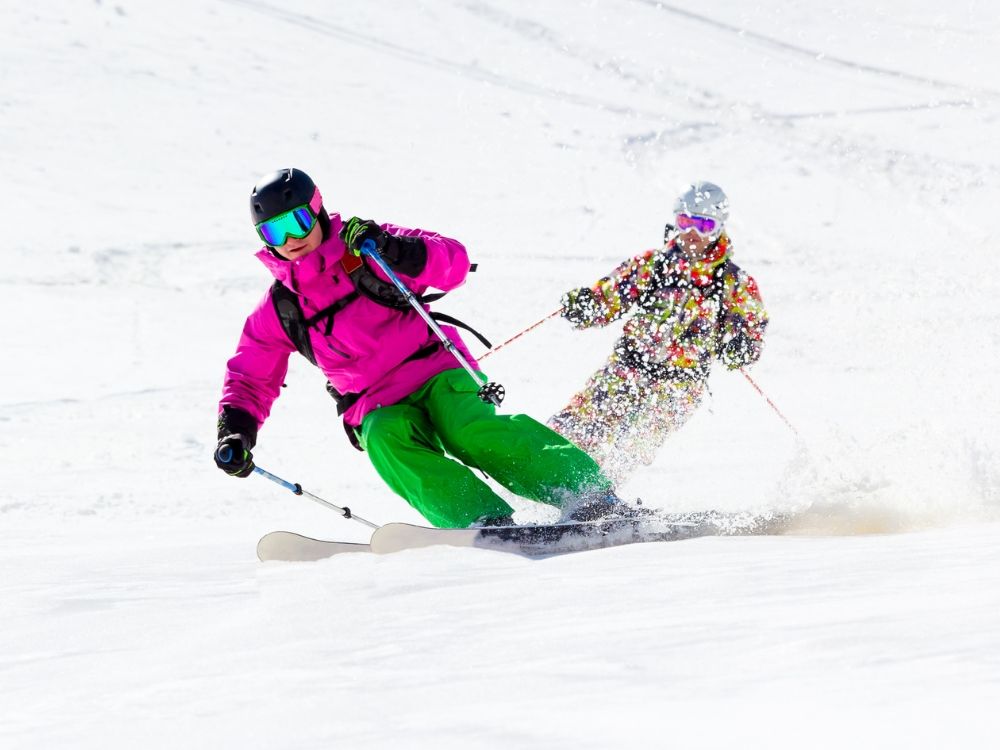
[{"x": 401, "y": 393}]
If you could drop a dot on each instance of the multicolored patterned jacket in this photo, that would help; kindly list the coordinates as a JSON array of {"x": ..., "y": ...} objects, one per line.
[{"x": 683, "y": 313}]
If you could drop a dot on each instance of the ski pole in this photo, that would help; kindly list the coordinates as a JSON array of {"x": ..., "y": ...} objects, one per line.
[
  {"x": 769, "y": 401},
  {"x": 225, "y": 455},
  {"x": 491, "y": 393},
  {"x": 516, "y": 336}
]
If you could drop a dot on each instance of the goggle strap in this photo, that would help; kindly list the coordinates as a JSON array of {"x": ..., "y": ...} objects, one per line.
[{"x": 316, "y": 203}]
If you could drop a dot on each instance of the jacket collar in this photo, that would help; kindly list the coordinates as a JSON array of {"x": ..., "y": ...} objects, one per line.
[
  {"x": 702, "y": 273},
  {"x": 294, "y": 273}
]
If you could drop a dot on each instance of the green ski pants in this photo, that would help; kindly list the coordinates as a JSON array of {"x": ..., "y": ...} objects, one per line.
[{"x": 407, "y": 443}]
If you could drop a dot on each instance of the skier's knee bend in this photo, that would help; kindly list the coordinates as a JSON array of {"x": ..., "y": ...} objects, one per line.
[{"x": 499, "y": 441}]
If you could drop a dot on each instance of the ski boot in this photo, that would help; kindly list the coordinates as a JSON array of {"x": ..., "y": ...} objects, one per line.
[
  {"x": 604, "y": 506},
  {"x": 492, "y": 521}
]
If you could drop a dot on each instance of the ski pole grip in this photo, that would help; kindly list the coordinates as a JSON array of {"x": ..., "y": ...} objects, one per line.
[
  {"x": 224, "y": 454},
  {"x": 368, "y": 247}
]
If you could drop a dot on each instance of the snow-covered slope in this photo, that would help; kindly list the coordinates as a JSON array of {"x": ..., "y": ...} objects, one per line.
[{"x": 859, "y": 149}]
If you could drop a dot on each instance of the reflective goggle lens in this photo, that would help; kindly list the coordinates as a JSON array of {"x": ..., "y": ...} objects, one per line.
[
  {"x": 296, "y": 223},
  {"x": 702, "y": 224}
]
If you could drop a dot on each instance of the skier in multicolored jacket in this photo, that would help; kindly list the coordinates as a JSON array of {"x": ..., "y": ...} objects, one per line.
[
  {"x": 401, "y": 393},
  {"x": 689, "y": 304}
]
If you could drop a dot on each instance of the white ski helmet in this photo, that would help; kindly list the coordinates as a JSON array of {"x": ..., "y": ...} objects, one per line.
[{"x": 704, "y": 199}]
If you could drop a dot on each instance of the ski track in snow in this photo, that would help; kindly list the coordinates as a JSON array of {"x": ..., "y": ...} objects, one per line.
[
  {"x": 465, "y": 71},
  {"x": 858, "y": 146},
  {"x": 817, "y": 56},
  {"x": 687, "y": 133}
]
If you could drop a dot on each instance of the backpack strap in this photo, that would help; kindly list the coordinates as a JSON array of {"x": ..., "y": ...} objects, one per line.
[
  {"x": 289, "y": 310},
  {"x": 367, "y": 283},
  {"x": 328, "y": 312},
  {"x": 442, "y": 318}
]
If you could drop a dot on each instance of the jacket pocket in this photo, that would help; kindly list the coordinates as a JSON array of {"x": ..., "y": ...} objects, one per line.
[{"x": 336, "y": 351}]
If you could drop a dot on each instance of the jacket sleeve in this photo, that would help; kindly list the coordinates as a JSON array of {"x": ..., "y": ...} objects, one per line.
[
  {"x": 256, "y": 371},
  {"x": 744, "y": 320},
  {"x": 615, "y": 294},
  {"x": 447, "y": 262}
]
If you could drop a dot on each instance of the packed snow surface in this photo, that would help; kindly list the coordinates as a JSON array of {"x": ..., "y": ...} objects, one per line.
[{"x": 859, "y": 148}]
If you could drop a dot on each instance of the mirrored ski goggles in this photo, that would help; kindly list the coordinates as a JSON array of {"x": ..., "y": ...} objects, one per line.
[
  {"x": 701, "y": 224},
  {"x": 296, "y": 223}
]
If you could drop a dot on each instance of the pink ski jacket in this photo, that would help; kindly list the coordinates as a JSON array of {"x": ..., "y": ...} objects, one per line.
[{"x": 368, "y": 346}]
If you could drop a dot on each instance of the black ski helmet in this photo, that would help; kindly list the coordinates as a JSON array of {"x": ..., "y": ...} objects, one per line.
[
  {"x": 284, "y": 190},
  {"x": 279, "y": 192}
]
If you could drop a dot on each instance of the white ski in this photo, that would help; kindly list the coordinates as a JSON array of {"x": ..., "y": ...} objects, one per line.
[
  {"x": 538, "y": 541},
  {"x": 530, "y": 541},
  {"x": 290, "y": 547}
]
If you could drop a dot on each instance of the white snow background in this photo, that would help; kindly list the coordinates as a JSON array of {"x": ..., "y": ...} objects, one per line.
[{"x": 860, "y": 147}]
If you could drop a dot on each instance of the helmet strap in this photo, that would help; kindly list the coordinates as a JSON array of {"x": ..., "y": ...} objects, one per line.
[{"x": 324, "y": 221}]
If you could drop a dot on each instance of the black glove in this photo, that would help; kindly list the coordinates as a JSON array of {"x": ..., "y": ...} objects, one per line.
[
  {"x": 237, "y": 435},
  {"x": 237, "y": 450},
  {"x": 739, "y": 351},
  {"x": 358, "y": 231},
  {"x": 579, "y": 306},
  {"x": 407, "y": 255}
]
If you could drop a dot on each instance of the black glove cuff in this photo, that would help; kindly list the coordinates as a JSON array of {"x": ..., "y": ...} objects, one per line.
[
  {"x": 580, "y": 306},
  {"x": 406, "y": 255},
  {"x": 236, "y": 421},
  {"x": 739, "y": 351}
]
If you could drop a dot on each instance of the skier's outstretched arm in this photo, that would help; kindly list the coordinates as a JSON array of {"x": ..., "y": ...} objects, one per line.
[
  {"x": 424, "y": 258},
  {"x": 744, "y": 322},
  {"x": 612, "y": 296},
  {"x": 445, "y": 262},
  {"x": 254, "y": 374}
]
